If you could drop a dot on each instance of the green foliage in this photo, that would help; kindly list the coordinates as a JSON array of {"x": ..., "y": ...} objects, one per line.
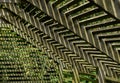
[
  {"x": 88, "y": 78},
  {"x": 68, "y": 76},
  {"x": 16, "y": 54}
]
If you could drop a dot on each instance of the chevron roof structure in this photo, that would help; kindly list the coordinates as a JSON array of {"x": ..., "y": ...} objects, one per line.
[{"x": 59, "y": 41}]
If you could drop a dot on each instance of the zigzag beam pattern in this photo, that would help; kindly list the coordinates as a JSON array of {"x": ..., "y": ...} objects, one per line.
[
  {"x": 82, "y": 34},
  {"x": 86, "y": 17},
  {"x": 45, "y": 43},
  {"x": 88, "y": 65}
]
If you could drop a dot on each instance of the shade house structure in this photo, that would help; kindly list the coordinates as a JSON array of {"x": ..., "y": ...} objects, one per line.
[{"x": 59, "y": 41}]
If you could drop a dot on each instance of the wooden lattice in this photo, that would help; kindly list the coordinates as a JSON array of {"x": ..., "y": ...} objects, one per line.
[{"x": 81, "y": 36}]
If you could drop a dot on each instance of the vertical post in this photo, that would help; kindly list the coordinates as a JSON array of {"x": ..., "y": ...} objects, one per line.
[
  {"x": 101, "y": 75},
  {"x": 60, "y": 73},
  {"x": 76, "y": 74}
]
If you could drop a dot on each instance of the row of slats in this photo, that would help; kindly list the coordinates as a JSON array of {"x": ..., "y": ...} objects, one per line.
[{"x": 74, "y": 31}]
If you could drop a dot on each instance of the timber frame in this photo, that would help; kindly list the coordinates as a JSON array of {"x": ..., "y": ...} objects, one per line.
[{"x": 81, "y": 36}]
